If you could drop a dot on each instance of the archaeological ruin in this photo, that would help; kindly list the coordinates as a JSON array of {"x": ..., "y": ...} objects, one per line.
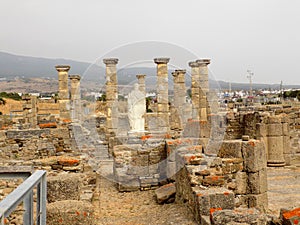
[{"x": 233, "y": 166}]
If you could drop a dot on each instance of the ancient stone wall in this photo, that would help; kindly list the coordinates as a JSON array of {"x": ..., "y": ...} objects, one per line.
[
  {"x": 34, "y": 143},
  {"x": 235, "y": 179},
  {"x": 140, "y": 164}
]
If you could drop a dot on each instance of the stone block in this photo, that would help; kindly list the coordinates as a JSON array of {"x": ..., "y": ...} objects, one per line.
[
  {"x": 259, "y": 201},
  {"x": 230, "y": 149},
  {"x": 166, "y": 193},
  {"x": 285, "y": 129},
  {"x": 63, "y": 187},
  {"x": 131, "y": 183},
  {"x": 241, "y": 179},
  {"x": 148, "y": 181},
  {"x": 70, "y": 212},
  {"x": 214, "y": 198},
  {"x": 261, "y": 130},
  {"x": 274, "y": 129},
  {"x": 238, "y": 217},
  {"x": 257, "y": 182},
  {"x": 254, "y": 155}
]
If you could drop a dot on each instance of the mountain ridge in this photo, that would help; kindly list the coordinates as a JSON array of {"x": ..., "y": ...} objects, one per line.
[{"x": 12, "y": 65}]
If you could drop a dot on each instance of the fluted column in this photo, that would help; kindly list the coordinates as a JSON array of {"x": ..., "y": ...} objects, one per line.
[
  {"x": 63, "y": 91},
  {"x": 162, "y": 94},
  {"x": 111, "y": 95},
  {"x": 195, "y": 89},
  {"x": 75, "y": 96}
]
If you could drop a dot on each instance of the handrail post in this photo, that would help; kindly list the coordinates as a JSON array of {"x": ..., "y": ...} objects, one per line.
[{"x": 28, "y": 205}]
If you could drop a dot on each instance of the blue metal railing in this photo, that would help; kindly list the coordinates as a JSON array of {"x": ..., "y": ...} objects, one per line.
[{"x": 24, "y": 193}]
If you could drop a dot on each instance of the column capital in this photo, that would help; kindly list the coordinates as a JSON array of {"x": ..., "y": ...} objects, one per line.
[
  {"x": 138, "y": 76},
  {"x": 75, "y": 77},
  {"x": 180, "y": 71},
  {"x": 177, "y": 72},
  {"x": 62, "y": 68},
  {"x": 161, "y": 60},
  {"x": 193, "y": 64},
  {"x": 203, "y": 61},
  {"x": 110, "y": 61}
]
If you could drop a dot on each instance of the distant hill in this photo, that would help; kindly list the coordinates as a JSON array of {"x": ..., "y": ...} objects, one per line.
[
  {"x": 26, "y": 66},
  {"x": 12, "y": 66}
]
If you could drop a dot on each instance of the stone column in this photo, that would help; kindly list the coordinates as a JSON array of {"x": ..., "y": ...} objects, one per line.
[
  {"x": 275, "y": 142},
  {"x": 179, "y": 94},
  {"x": 204, "y": 89},
  {"x": 141, "y": 82},
  {"x": 111, "y": 95},
  {"x": 75, "y": 96},
  {"x": 29, "y": 111},
  {"x": 162, "y": 94},
  {"x": 63, "y": 92},
  {"x": 195, "y": 89}
]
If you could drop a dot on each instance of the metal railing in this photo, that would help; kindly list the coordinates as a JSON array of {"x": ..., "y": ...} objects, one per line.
[{"x": 24, "y": 193}]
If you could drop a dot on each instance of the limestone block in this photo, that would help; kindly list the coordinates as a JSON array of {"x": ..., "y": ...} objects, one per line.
[
  {"x": 166, "y": 193},
  {"x": 259, "y": 201},
  {"x": 241, "y": 183},
  {"x": 149, "y": 181},
  {"x": 70, "y": 212},
  {"x": 238, "y": 217},
  {"x": 254, "y": 155},
  {"x": 285, "y": 129},
  {"x": 214, "y": 198},
  {"x": 230, "y": 149},
  {"x": 275, "y": 150},
  {"x": 275, "y": 129},
  {"x": 257, "y": 182},
  {"x": 63, "y": 187}
]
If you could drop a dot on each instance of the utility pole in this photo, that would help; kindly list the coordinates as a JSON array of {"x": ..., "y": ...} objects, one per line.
[{"x": 249, "y": 76}]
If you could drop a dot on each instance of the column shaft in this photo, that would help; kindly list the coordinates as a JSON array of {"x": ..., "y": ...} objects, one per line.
[
  {"x": 162, "y": 94},
  {"x": 111, "y": 95},
  {"x": 63, "y": 92}
]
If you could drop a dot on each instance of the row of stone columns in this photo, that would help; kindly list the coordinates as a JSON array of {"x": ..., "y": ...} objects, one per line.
[
  {"x": 68, "y": 101},
  {"x": 200, "y": 88}
]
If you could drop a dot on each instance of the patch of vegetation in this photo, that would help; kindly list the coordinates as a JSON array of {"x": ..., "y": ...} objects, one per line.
[
  {"x": 102, "y": 98},
  {"x": 14, "y": 96},
  {"x": 292, "y": 94}
]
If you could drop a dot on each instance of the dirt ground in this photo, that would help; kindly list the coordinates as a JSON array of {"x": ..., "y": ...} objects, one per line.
[{"x": 136, "y": 208}]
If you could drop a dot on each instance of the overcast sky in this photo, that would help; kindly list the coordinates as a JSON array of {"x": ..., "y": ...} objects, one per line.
[{"x": 261, "y": 35}]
